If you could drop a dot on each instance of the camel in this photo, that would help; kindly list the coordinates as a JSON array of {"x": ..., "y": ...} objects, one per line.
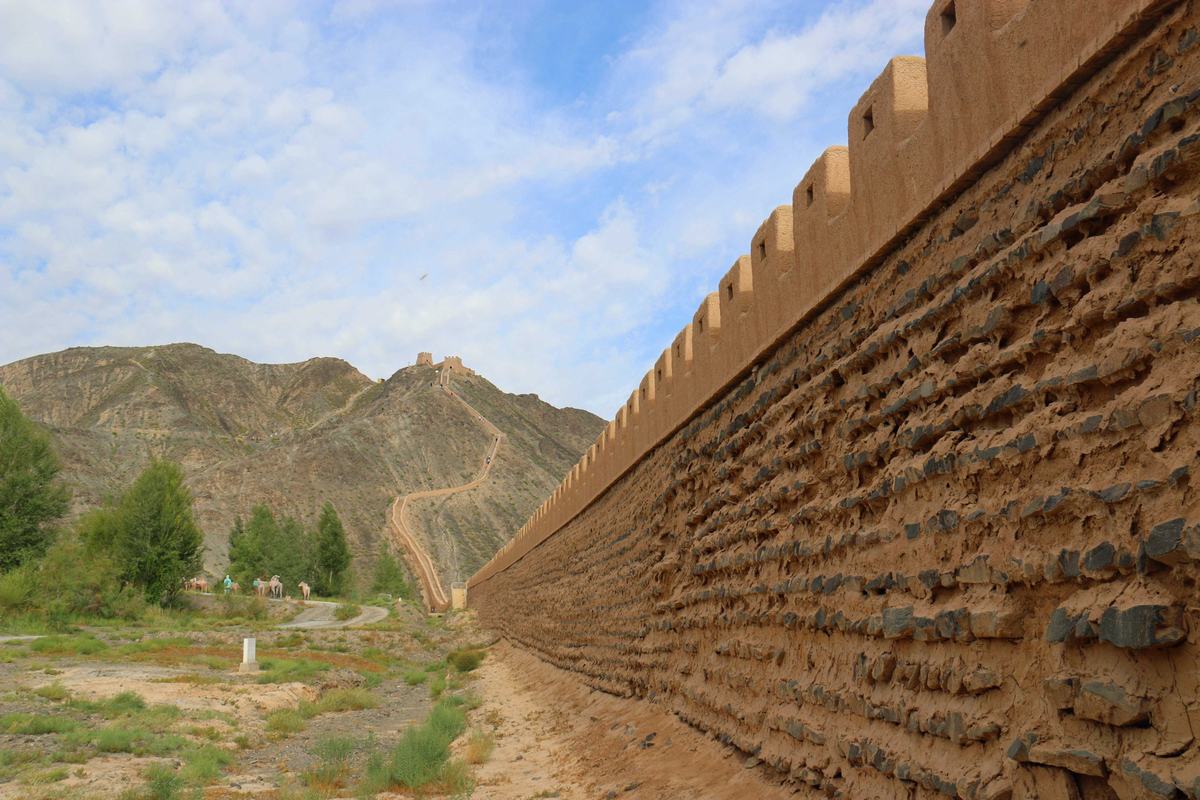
[
  {"x": 260, "y": 587},
  {"x": 305, "y": 590},
  {"x": 198, "y": 585},
  {"x": 276, "y": 587},
  {"x": 236, "y": 587}
]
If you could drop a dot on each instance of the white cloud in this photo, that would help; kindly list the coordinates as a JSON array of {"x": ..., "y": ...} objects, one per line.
[{"x": 274, "y": 180}]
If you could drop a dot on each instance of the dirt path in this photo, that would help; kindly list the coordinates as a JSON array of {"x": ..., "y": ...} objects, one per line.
[
  {"x": 435, "y": 594},
  {"x": 555, "y": 737},
  {"x": 320, "y": 614}
]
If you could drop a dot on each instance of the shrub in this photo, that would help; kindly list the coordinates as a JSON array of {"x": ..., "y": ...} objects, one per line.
[
  {"x": 422, "y": 757},
  {"x": 334, "y": 754},
  {"x": 465, "y": 660},
  {"x": 415, "y": 677},
  {"x": 480, "y": 745},
  {"x": 17, "y": 589},
  {"x": 74, "y": 580},
  {"x": 448, "y": 720}
]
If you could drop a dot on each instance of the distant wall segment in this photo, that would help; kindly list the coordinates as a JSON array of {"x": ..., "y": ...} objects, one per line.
[{"x": 907, "y": 508}]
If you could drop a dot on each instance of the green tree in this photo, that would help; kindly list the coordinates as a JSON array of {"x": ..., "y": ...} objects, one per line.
[
  {"x": 30, "y": 498},
  {"x": 152, "y": 532},
  {"x": 293, "y": 555},
  {"x": 390, "y": 577},
  {"x": 267, "y": 545},
  {"x": 248, "y": 548},
  {"x": 333, "y": 554}
]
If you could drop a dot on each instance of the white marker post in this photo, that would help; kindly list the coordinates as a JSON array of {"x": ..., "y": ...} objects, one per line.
[{"x": 249, "y": 664}]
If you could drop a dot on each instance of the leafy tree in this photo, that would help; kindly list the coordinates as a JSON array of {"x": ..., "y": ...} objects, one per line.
[
  {"x": 390, "y": 577},
  {"x": 151, "y": 532},
  {"x": 333, "y": 554},
  {"x": 248, "y": 545},
  {"x": 30, "y": 499},
  {"x": 267, "y": 546},
  {"x": 293, "y": 553}
]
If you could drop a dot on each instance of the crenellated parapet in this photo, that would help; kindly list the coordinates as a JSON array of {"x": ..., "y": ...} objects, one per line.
[{"x": 924, "y": 130}]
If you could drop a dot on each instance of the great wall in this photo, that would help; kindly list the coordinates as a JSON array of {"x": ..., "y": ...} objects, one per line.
[
  {"x": 434, "y": 595},
  {"x": 907, "y": 509}
]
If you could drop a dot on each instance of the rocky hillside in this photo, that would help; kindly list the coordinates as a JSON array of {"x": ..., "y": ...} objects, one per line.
[{"x": 294, "y": 435}]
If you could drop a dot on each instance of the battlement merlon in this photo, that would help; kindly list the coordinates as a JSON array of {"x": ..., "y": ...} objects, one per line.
[{"x": 922, "y": 132}]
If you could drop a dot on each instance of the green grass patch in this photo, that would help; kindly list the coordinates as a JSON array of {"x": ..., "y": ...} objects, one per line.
[
  {"x": 136, "y": 740},
  {"x": 203, "y": 764},
  {"x": 151, "y": 645},
  {"x": 162, "y": 783},
  {"x": 292, "y": 640},
  {"x": 285, "y": 721},
  {"x": 288, "y": 670},
  {"x": 21, "y": 724},
  {"x": 129, "y": 706},
  {"x": 52, "y": 775},
  {"x": 339, "y": 700},
  {"x": 415, "y": 677},
  {"x": 53, "y": 691},
  {"x": 14, "y": 761},
  {"x": 79, "y": 644}
]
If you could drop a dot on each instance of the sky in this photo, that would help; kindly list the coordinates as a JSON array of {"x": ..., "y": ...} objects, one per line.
[{"x": 547, "y": 188}]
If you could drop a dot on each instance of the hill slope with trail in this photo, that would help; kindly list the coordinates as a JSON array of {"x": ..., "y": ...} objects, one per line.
[
  {"x": 431, "y": 583},
  {"x": 295, "y": 435}
]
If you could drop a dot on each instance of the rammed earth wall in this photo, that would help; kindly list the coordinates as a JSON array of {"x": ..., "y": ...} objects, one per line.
[{"x": 941, "y": 536}]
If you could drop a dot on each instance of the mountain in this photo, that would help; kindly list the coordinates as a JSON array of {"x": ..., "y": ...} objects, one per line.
[{"x": 295, "y": 435}]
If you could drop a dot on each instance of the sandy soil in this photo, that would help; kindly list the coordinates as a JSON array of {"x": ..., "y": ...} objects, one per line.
[
  {"x": 238, "y": 694},
  {"x": 556, "y": 736},
  {"x": 104, "y": 775}
]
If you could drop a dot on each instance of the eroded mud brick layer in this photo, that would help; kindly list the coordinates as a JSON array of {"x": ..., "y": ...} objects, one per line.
[{"x": 941, "y": 538}]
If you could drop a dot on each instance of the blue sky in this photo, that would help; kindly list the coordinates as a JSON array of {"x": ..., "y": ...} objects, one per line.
[{"x": 547, "y": 188}]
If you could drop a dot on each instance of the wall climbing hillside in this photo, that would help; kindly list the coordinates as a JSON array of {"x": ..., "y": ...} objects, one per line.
[{"x": 909, "y": 508}]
